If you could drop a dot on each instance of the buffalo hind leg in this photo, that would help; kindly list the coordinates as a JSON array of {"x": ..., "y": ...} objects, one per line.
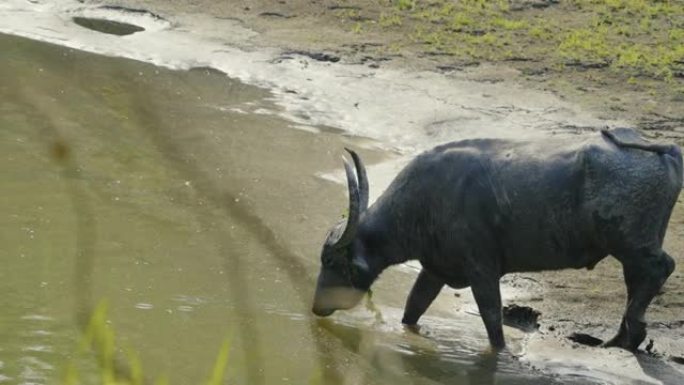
[
  {"x": 644, "y": 276},
  {"x": 488, "y": 297},
  {"x": 424, "y": 291}
]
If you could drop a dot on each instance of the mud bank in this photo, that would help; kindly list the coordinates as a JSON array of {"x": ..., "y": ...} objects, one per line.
[
  {"x": 415, "y": 110},
  {"x": 401, "y": 35}
]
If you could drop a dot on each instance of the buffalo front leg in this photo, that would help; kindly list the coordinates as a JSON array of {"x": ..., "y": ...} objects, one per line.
[
  {"x": 644, "y": 276},
  {"x": 424, "y": 291},
  {"x": 488, "y": 297}
]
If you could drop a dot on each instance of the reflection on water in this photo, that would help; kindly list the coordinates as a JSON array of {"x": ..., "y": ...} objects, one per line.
[
  {"x": 29, "y": 355},
  {"x": 446, "y": 350},
  {"x": 195, "y": 217}
]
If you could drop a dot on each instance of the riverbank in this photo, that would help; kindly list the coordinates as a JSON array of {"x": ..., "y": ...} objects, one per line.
[{"x": 622, "y": 61}]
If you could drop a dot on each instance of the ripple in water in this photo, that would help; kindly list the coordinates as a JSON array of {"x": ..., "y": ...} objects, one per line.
[{"x": 144, "y": 306}]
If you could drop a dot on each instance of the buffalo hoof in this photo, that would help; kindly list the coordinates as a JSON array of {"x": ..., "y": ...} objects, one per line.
[
  {"x": 629, "y": 337},
  {"x": 412, "y": 328},
  {"x": 492, "y": 350},
  {"x": 321, "y": 312}
]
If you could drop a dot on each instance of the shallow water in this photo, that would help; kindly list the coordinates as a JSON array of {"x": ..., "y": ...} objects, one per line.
[{"x": 181, "y": 199}]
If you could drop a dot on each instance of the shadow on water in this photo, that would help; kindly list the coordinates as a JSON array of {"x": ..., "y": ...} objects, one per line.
[
  {"x": 326, "y": 340},
  {"x": 147, "y": 116},
  {"x": 442, "y": 351},
  {"x": 402, "y": 357},
  {"x": 85, "y": 232}
]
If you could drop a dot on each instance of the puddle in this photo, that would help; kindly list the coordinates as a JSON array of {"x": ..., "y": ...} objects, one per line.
[{"x": 107, "y": 26}]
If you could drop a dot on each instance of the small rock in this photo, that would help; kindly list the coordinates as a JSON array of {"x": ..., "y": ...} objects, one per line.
[
  {"x": 275, "y": 14},
  {"x": 585, "y": 339}
]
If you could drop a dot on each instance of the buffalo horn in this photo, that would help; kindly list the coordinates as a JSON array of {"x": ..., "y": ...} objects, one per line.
[
  {"x": 354, "y": 208},
  {"x": 362, "y": 178}
]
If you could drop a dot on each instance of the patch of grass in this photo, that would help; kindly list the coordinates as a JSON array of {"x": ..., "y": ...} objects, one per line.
[
  {"x": 584, "y": 45},
  {"x": 510, "y": 25},
  {"x": 461, "y": 20},
  {"x": 405, "y": 5},
  {"x": 357, "y": 28},
  {"x": 387, "y": 20},
  {"x": 627, "y": 37}
]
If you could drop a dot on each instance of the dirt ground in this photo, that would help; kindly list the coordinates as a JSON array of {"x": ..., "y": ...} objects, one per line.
[{"x": 569, "y": 301}]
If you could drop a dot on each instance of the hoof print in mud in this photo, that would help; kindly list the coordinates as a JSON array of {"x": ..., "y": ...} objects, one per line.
[
  {"x": 135, "y": 11},
  {"x": 275, "y": 14},
  {"x": 585, "y": 339},
  {"x": 521, "y": 5},
  {"x": 318, "y": 56},
  {"x": 107, "y": 26},
  {"x": 521, "y": 317}
]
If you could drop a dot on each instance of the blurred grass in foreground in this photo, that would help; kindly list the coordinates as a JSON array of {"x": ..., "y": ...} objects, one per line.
[{"x": 100, "y": 339}]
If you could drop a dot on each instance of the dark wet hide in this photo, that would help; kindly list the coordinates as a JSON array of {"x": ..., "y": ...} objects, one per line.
[
  {"x": 585, "y": 339},
  {"x": 107, "y": 26},
  {"x": 679, "y": 360},
  {"x": 521, "y": 317}
]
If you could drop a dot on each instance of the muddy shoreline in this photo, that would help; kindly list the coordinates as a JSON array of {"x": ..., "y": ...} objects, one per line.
[{"x": 651, "y": 104}]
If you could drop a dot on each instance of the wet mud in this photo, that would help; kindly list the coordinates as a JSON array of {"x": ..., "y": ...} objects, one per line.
[{"x": 521, "y": 317}]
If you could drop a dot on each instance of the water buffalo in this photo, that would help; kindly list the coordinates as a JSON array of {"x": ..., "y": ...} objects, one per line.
[{"x": 473, "y": 210}]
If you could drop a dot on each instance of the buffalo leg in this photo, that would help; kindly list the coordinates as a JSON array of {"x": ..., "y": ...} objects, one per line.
[
  {"x": 488, "y": 297},
  {"x": 644, "y": 276},
  {"x": 424, "y": 291}
]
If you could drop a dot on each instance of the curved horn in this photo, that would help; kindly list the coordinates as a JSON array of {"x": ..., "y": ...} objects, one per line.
[
  {"x": 354, "y": 208},
  {"x": 362, "y": 179}
]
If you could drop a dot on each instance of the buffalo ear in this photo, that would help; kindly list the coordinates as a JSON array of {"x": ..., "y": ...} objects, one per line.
[{"x": 360, "y": 262}]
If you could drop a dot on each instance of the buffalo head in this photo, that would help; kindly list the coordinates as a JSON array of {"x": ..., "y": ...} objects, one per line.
[{"x": 345, "y": 275}]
